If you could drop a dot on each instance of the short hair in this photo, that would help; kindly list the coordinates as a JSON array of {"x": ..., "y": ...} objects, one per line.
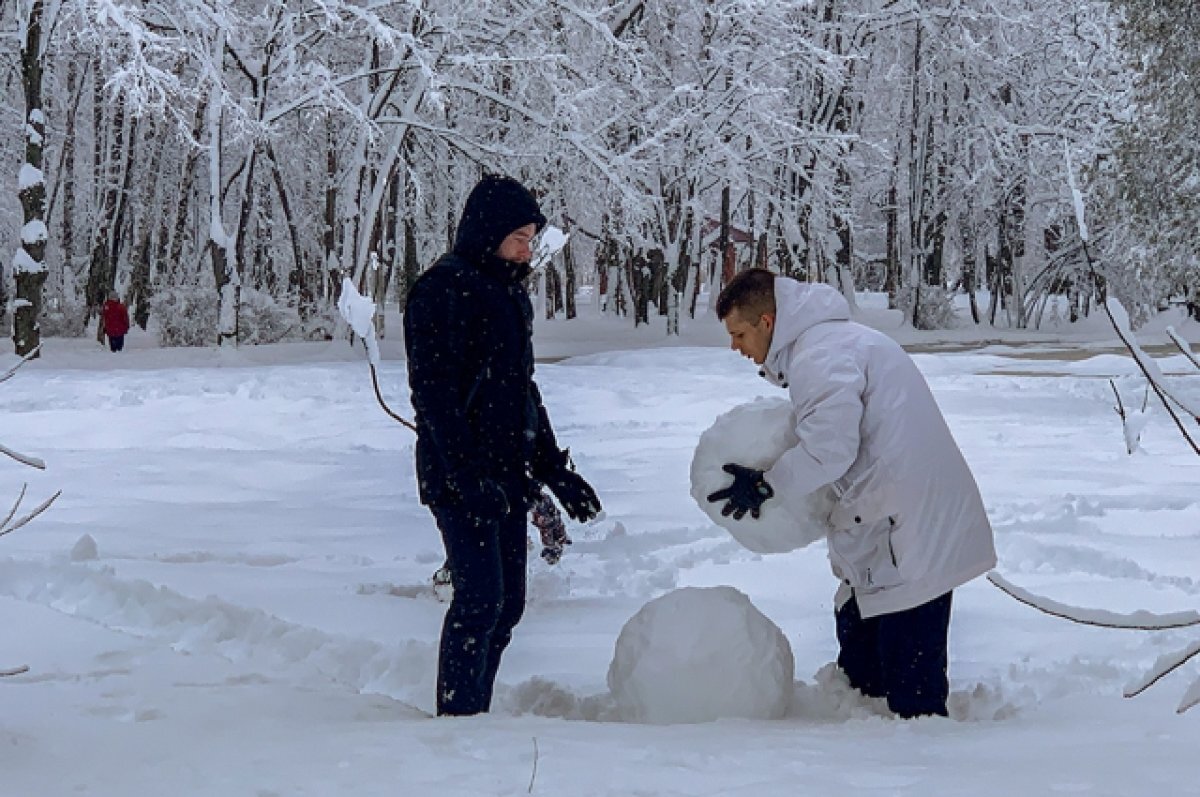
[{"x": 752, "y": 292}]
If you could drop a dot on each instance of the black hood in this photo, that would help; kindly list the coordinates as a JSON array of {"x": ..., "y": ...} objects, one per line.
[{"x": 497, "y": 206}]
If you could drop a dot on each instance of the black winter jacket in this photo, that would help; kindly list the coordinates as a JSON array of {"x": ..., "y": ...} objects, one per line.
[{"x": 468, "y": 334}]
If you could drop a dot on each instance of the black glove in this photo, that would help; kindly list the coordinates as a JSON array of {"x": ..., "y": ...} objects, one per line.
[
  {"x": 483, "y": 499},
  {"x": 575, "y": 495},
  {"x": 747, "y": 493}
]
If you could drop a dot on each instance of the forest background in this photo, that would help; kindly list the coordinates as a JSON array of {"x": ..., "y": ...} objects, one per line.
[{"x": 221, "y": 164}]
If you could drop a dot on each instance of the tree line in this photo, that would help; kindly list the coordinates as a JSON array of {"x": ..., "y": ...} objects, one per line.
[{"x": 221, "y": 164}]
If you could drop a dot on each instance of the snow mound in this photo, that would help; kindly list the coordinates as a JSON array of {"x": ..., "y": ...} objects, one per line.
[
  {"x": 756, "y": 434},
  {"x": 85, "y": 549},
  {"x": 697, "y": 655}
]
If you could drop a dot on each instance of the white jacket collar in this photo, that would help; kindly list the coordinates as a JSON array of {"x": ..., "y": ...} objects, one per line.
[{"x": 799, "y": 306}]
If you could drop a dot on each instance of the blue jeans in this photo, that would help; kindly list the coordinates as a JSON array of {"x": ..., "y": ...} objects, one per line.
[
  {"x": 900, "y": 656},
  {"x": 486, "y": 558}
]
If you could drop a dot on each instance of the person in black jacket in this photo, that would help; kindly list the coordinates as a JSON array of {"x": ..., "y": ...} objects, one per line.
[{"x": 484, "y": 441}]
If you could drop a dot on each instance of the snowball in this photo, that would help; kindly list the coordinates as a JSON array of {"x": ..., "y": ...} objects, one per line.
[
  {"x": 85, "y": 550},
  {"x": 697, "y": 655},
  {"x": 756, "y": 435}
]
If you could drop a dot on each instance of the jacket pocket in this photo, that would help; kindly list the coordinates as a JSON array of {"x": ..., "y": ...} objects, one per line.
[{"x": 862, "y": 556}]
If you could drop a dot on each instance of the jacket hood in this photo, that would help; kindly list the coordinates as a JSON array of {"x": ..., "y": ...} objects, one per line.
[
  {"x": 496, "y": 206},
  {"x": 800, "y": 306}
]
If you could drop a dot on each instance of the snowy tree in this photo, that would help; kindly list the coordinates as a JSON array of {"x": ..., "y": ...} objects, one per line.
[
  {"x": 1155, "y": 205},
  {"x": 207, "y": 145},
  {"x": 29, "y": 264}
]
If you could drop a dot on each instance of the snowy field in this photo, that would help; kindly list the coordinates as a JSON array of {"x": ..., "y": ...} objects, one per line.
[{"x": 232, "y": 595}]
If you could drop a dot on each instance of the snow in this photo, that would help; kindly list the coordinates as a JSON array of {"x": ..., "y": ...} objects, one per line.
[
  {"x": 258, "y": 619},
  {"x": 28, "y": 177},
  {"x": 24, "y": 264},
  {"x": 1076, "y": 197},
  {"x": 701, "y": 654},
  {"x": 550, "y": 242},
  {"x": 34, "y": 232},
  {"x": 755, "y": 435},
  {"x": 359, "y": 312}
]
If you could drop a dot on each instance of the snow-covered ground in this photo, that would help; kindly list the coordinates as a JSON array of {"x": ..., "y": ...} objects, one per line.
[{"x": 232, "y": 595}]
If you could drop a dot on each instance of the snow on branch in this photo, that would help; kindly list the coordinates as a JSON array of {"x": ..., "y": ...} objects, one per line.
[
  {"x": 1163, "y": 667},
  {"x": 1134, "y": 621},
  {"x": 1183, "y": 347},
  {"x": 10, "y": 525},
  {"x": 1138, "y": 621},
  {"x": 7, "y": 375},
  {"x": 24, "y": 459}
]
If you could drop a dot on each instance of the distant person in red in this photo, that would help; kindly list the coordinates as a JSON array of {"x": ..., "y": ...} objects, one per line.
[{"x": 115, "y": 318}]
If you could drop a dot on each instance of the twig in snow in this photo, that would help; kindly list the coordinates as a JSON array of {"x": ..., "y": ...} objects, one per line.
[
  {"x": 533, "y": 777},
  {"x": 1120, "y": 406},
  {"x": 7, "y": 375}
]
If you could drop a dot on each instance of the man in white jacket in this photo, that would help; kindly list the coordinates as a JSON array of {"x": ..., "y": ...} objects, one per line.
[{"x": 909, "y": 524}]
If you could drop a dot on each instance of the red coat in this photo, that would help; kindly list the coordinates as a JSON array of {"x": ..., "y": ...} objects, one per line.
[{"x": 116, "y": 318}]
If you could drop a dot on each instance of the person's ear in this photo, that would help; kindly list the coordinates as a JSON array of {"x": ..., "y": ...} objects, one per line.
[{"x": 768, "y": 321}]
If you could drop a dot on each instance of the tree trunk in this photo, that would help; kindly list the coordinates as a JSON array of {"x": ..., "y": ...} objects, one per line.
[
  {"x": 29, "y": 267},
  {"x": 220, "y": 245},
  {"x": 102, "y": 269},
  {"x": 66, "y": 180},
  {"x": 411, "y": 268},
  {"x": 172, "y": 231},
  {"x": 138, "y": 296}
]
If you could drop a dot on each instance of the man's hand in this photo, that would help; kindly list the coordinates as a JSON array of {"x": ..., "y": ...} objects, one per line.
[
  {"x": 575, "y": 495},
  {"x": 747, "y": 493}
]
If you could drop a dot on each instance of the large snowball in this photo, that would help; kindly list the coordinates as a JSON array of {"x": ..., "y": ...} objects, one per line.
[
  {"x": 697, "y": 655},
  {"x": 755, "y": 435}
]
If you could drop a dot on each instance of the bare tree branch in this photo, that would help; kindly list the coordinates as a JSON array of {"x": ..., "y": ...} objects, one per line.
[
  {"x": 24, "y": 459},
  {"x": 5, "y": 528},
  {"x": 7, "y": 375},
  {"x": 1183, "y": 346}
]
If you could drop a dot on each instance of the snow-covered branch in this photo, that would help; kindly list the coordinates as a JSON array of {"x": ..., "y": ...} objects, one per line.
[
  {"x": 1136, "y": 621},
  {"x": 1139, "y": 621}
]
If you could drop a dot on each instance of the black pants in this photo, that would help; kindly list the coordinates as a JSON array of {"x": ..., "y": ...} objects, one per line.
[
  {"x": 901, "y": 656},
  {"x": 116, "y": 342},
  {"x": 487, "y": 571}
]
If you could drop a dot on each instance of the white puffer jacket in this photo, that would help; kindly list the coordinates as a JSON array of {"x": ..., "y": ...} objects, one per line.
[{"x": 909, "y": 524}]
